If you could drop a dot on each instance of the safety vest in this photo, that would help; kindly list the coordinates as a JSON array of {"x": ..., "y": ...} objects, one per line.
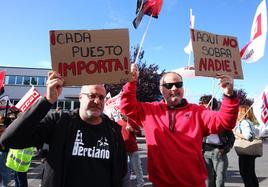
[{"x": 20, "y": 159}]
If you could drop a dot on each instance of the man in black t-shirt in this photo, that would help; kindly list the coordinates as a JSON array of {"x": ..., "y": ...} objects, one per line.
[{"x": 86, "y": 148}]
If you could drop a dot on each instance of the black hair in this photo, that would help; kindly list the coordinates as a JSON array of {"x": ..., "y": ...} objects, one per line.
[{"x": 205, "y": 99}]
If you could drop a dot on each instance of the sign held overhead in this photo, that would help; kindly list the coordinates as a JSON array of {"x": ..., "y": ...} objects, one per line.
[
  {"x": 214, "y": 54},
  {"x": 85, "y": 57}
]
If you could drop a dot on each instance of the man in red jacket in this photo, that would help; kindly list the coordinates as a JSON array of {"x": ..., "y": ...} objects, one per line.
[
  {"x": 129, "y": 135},
  {"x": 174, "y": 129}
]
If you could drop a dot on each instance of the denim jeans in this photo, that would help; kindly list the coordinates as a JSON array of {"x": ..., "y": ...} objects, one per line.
[
  {"x": 217, "y": 164},
  {"x": 134, "y": 163},
  {"x": 5, "y": 171},
  {"x": 20, "y": 179}
]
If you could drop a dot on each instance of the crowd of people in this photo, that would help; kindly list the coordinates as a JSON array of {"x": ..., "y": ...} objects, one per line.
[{"x": 187, "y": 144}]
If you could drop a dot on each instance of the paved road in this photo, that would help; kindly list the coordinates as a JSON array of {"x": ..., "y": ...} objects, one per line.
[{"x": 233, "y": 176}]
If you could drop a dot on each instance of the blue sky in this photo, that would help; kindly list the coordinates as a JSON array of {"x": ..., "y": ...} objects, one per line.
[{"x": 25, "y": 26}]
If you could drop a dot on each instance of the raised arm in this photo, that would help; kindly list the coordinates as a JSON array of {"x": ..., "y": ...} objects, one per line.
[
  {"x": 30, "y": 128},
  {"x": 129, "y": 103}
]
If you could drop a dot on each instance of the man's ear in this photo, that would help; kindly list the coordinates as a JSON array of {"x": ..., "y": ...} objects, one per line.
[
  {"x": 80, "y": 97},
  {"x": 161, "y": 89}
]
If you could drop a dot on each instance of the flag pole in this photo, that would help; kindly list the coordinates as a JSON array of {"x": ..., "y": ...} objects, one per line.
[
  {"x": 189, "y": 59},
  {"x": 213, "y": 93},
  {"x": 142, "y": 40}
]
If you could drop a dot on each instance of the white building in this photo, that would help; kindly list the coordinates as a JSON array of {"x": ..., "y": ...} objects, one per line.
[{"x": 19, "y": 80}]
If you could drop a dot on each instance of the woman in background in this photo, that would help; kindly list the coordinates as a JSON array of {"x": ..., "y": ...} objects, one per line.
[{"x": 245, "y": 129}]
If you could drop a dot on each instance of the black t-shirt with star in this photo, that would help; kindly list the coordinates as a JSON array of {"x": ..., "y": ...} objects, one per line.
[{"x": 90, "y": 163}]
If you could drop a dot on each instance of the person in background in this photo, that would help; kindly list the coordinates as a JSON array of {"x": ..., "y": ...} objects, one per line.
[
  {"x": 174, "y": 129},
  {"x": 215, "y": 149},
  {"x": 43, "y": 154},
  {"x": 86, "y": 148},
  {"x": 19, "y": 161},
  {"x": 129, "y": 134},
  {"x": 245, "y": 129},
  {"x": 5, "y": 171}
]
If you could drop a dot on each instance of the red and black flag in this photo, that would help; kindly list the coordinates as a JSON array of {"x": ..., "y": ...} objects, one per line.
[{"x": 148, "y": 7}]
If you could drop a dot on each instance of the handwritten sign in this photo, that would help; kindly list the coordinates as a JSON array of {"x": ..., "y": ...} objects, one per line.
[
  {"x": 85, "y": 57},
  {"x": 214, "y": 54}
]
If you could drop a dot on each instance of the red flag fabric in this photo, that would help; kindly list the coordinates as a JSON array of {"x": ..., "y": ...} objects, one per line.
[
  {"x": 28, "y": 99},
  {"x": 2, "y": 78},
  {"x": 148, "y": 7}
]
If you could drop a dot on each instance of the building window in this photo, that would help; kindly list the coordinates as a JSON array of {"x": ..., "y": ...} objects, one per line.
[
  {"x": 11, "y": 79},
  {"x": 67, "y": 105},
  {"x": 60, "y": 104},
  {"x": 41, "y": 81},
  {"x": 26, "y": 80},
  {"x": 33, "y": 81},
  {"x": 19, "y": 80},
  {"x": 76, "y": 104}
]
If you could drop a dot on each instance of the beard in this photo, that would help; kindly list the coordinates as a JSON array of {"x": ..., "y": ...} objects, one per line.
[
  {"x": 93, "y": 114},
  {"x": 173, "y": 100}
]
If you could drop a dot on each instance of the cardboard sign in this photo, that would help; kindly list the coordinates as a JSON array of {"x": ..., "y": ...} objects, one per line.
[
  {"x": 84, "y": 57},
  {"x": 214, "y": 54}
]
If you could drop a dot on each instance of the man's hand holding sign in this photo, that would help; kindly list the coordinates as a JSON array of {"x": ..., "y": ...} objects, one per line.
[{"x": 54, "y": 86}]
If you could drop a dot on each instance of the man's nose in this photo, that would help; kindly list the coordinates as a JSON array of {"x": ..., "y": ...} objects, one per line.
[
  {"x": 97, "y": 100},
  {"x": 173, "y": 87}
]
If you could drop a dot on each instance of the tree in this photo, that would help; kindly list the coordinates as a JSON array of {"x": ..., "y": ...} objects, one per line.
[{"x": 148, "y": 82}]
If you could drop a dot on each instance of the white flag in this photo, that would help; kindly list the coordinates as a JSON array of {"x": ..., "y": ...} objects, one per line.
[
  {"x": 260, "y": 109},
  {"x": 28, "y": 99},
  {"x": 186, "y": 72},
  {"x": 254, "y": 49},
  {"x": 112, "y": 106},
  {"x": 188, "y": 49}
]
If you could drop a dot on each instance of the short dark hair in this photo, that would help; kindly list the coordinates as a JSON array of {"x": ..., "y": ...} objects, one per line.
[{"x": 205, "y": 99}]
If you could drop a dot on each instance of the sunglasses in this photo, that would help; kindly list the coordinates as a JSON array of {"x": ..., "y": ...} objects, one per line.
[{"x": 170, "y": 85}]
